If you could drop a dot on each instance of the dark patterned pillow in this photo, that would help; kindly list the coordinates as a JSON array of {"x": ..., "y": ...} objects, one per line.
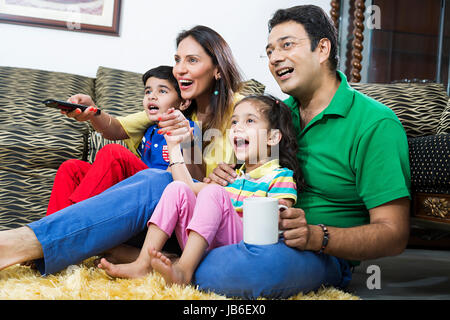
[
  {"x": 429, "y": 161},
  {"x": 418, "y": 106}
]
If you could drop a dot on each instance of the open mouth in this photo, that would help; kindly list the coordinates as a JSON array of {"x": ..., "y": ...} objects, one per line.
[
  {"x": 240, "y": 142},
  {"x": 285, "y": 72},
  {"x": 153, "y": 109},
  {"x": 185, "y": 83}
]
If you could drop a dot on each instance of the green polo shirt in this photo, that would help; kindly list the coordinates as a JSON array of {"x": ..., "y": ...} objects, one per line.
[{"x": 354, "y": 157}]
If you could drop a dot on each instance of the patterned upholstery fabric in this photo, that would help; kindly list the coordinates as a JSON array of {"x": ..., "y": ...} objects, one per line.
[
  {"x": 444, "y": 121},
  {"x": 34, "y": 139},
  {"x": 430, "y": 163},
  {"x": 418, "y": 106},
  {"x": 252, "y": 86}
]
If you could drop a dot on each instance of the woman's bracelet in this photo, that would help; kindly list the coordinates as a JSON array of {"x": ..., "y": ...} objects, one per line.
[{"x": 174, "y": 163}]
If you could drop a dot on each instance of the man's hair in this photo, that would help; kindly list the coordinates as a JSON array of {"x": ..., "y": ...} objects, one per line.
[
  {"x": 317, "y": 25},
  {"x": 164, "y": 73}
]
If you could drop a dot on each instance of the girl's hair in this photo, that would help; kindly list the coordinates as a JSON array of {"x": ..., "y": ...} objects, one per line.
[
  {"x": 230, "y": 77},
  {"x": 279, "y": 117}
]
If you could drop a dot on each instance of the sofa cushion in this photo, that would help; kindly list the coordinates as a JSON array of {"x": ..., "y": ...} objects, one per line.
[
  {"x": 24, "y": 196},
  {"x": 429, "y": 162},
  {"x": 444, "y": 121},
  {"x": 34, "y": 139},
  {"x": 418, "y": 106},
  {"x": 30, "y": 157},
  {"x": 119, "y": 92},
  {"x": 23, "y": 90}
]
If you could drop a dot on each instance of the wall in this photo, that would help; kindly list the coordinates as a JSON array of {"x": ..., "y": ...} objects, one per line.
[{"x": 148, "y": 30}]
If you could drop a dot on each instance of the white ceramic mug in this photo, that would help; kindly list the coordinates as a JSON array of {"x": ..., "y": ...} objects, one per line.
[{"x": 261, "y": 220}]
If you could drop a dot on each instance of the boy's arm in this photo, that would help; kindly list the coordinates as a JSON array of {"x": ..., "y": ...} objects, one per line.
[
  {"x": 109, "y": 127},
  {"x": 104, "y": 123}
]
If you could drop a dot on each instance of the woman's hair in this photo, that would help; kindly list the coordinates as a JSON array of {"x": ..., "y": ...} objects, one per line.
[
  {"x": 279, "y": 117},
  {"x": 230, "y": 77}
]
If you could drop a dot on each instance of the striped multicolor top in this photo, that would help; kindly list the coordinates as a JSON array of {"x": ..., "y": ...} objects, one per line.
[{"x": 268, "y": 180}]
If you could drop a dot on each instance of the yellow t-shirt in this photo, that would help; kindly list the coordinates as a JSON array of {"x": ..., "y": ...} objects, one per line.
[{"x": 219, "y": 150}]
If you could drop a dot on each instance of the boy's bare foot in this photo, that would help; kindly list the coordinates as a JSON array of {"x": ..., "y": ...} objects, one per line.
[
  {"x": 170, "y": 272},
  {"x": 136, "y": 269},
  {"x": 30, "y": 264},
  {"x": 121, "y": 254}
]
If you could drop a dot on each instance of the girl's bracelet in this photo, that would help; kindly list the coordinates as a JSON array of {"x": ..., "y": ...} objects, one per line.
[{"x": 174, "y": 163}]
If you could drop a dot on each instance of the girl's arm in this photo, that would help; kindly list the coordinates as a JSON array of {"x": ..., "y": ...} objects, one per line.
[{"x": 178, "y": 166}]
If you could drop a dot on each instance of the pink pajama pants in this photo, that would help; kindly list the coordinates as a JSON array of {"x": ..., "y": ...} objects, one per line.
[{"x": 210, "y": 214}]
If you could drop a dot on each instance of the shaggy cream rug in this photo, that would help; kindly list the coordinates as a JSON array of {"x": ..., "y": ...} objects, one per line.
[{"x": 86, "y": 282}]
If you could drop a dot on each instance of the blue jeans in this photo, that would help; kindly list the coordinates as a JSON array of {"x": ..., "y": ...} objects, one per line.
[
  {"x": 271, "y": 271},
  {"x": 107, "y": 220},
  {"x": 111, "y": 218}
]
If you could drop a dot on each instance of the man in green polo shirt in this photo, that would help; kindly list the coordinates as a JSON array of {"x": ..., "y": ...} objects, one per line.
[{"x": 354, "y": 155}]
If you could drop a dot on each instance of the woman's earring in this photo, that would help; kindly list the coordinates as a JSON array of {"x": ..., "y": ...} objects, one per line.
[{"x": 216, "y": 93}]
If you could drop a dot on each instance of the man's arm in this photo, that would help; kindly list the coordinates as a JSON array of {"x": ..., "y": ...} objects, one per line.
[{"x": 386, "y": 235}]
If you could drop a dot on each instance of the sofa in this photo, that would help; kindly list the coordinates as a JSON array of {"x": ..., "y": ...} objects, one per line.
[{"x": 35, "y": 140}]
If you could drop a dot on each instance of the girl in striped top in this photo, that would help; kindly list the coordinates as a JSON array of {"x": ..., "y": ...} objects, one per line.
[{"x": 204, "y": 216}]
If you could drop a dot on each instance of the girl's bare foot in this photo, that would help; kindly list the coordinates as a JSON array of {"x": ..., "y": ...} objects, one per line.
[
  {"x": 171, "y": 273},
  {"x": 136, "y": 269}
]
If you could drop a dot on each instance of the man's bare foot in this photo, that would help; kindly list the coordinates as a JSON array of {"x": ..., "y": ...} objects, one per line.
[
  {"x": 171, "y": 273},
  {"x": 136, "y": 269}
]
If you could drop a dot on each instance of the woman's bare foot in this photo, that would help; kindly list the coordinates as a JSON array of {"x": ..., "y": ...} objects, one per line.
[
  {"x": 17, "y": 246},
  {"x": 136, "y": 269},
  {"x": 171, "y": 273}
]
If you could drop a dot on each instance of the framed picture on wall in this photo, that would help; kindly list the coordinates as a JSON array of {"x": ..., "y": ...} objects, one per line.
[{"x": 96, "y": 16}]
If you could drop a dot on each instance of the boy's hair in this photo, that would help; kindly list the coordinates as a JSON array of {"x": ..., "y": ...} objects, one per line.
[
  {"x": 164, "y": 73},
  {"x": 279, "y": 117},
  {"x": 317, "y": 25}
]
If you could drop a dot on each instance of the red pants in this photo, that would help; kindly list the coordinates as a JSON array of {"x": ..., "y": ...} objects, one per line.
[{"x": 78, "y": 180}]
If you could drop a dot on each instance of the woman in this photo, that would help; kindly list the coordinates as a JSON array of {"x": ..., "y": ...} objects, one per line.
[{"x": 207, "y": 75}]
